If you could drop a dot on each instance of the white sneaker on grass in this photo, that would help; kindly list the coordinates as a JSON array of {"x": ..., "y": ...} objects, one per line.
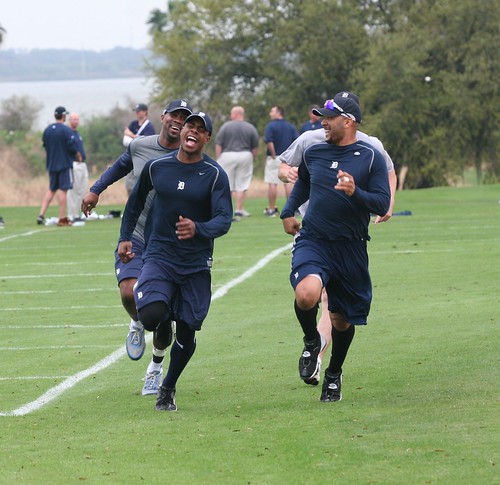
[
  {"x": 136, "y": 342},
  {"x": 152, "y": 382}
]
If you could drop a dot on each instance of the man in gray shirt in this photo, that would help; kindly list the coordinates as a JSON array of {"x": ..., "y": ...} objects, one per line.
[{"x": 236, "y": 146}]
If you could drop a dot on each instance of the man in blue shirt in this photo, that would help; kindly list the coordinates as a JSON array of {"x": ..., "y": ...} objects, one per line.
[
  {"x": 60, "y": 144},
  {"x": 314, "y": 121},
  {"x": 192, "y": 207},
  {"x": 132, "y": 161},
  {"x": 345, "y": 181},
  {"x": 279, "y": 135}
]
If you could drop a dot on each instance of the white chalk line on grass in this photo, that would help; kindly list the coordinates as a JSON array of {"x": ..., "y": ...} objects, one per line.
[
  {"x": 31, "y": 378},
  {"x": 62, "y": 325},
  {"x": 14, "y": 236},
  {"x": 68, "y": 307},
  {"x": 43, "y": 276},
  {"x": 51, "y": 292},
  {"x": 58, "y": 347},
  {"x": 71, "y": 381}
]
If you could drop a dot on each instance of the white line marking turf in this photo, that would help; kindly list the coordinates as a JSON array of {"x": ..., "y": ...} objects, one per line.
[{"x": 71, "y": 381}]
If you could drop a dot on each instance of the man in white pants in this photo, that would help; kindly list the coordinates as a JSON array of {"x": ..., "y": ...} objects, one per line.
[{"x": 80, "y": 173}]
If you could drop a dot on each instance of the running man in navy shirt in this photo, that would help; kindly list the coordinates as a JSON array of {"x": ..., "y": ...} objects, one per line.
[
  {"x": 140, "y": 151},
  {"x": 191, "y": 208},
  {"x": 345, "y": 180}
]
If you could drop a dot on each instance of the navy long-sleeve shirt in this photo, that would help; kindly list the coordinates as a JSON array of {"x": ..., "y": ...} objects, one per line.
[
  {"x": 60, "y": 144},
  {"x": 79, "y": 145},
  {"x": 198, "y": 191},
  {"x": 332, "y": 215}
]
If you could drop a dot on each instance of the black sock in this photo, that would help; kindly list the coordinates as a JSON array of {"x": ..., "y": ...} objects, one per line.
[
  {"x": 179, "y": 358},
  {"x": 157, "y": 359},
  {"x": 340, "y": 346},
  {"x": 307, "y": 320}
]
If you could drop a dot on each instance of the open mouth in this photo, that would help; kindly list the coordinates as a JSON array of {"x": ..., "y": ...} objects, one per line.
[{"x": 191, "y": 141}]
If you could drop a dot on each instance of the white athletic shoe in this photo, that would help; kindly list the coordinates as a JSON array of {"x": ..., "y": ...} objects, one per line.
[
  {"x": 135, "y": 343},
  {"x": 152, "y": 382}
]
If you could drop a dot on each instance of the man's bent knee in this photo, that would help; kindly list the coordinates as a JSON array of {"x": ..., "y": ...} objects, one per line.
[
  {"x": 308, "y": 292},
  {"x": 154, "y": 313}
]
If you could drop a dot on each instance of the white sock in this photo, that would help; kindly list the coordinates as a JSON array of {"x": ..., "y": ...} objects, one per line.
[
  {"x": 135, "y": 325},
  {"x": 156, "y": 366}
]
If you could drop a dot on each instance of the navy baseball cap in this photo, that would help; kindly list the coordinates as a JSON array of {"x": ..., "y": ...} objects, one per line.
[
  {"x": 343, "y": 104},
  {"x": 176, "y": 105},
  {"x": 204, "y": 117},
  {"x": 60, "y": 110},
  {"x": 140, "y": 107}
]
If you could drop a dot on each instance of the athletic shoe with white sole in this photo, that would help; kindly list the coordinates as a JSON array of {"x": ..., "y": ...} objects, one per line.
[
  {"x": 166, "y": 399},
  {"x": 310, "y": 361},
  {"x": 332, "y": 387},
  {"x": 152, "y": 382},
  {"x": 314, "y": 380},
  {"x": 135, "y": 343}
]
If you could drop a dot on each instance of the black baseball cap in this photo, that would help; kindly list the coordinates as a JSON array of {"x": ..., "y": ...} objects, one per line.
[
  {"x": 343, "y": 104},
  {"x": 176, "y": 105},
  {"x": 140, "y": 107},
  {"x": 60, "y": 110},
  {"x": 204, "y": 117}
]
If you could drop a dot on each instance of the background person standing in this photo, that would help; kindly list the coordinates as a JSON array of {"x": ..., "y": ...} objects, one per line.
[
  {"x": 80, "y": 173},
  {"x": 61, "y": 147},
  {"x": 314, "y": 121},
  {"x": 236, "y": 147},
  {"x": 279, "y": 135},
  {"x": 141, "y": 126}
]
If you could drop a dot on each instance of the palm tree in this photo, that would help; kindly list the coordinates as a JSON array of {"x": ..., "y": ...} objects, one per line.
[
  {"x": 157, "y": 21},
  {"x": 2, "y": 32}
]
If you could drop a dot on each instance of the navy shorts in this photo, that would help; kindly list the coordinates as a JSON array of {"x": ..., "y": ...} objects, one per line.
[
  {"x": 132, "y": 269},
  {"x": 343, "y": 268},
  {"x": 62, "y": 180},
  {"x": 188, "y": 295}
]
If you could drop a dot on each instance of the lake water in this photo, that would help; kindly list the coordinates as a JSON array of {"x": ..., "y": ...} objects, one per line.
[{"x": 89, "y": 98}]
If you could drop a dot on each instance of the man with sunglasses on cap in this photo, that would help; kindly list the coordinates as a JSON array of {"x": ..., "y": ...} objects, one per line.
[
  {"x": 191, "y": 208},
  {"x": 290, "y": 161},
  {"x": 345, "y": 180},
  {"x": 140, "y": 151}
]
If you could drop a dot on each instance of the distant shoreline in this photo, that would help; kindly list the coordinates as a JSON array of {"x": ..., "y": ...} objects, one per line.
[{"x": 70, "y": 64}]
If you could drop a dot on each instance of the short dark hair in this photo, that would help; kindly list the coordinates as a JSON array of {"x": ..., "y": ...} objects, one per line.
[{"x": 280, "y": 109}]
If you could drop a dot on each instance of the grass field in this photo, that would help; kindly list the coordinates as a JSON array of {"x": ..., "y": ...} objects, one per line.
[{"x": 421, "y": 381}]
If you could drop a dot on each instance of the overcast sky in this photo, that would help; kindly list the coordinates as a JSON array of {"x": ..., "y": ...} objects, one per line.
[{"x": 82, "y": 24}]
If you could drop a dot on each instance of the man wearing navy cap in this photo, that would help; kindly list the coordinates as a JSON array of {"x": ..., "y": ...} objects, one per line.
[
  {"x": 141, "y": 126},
  {"x": 132, "y": 161},
  {"x": 345, "y": 181},
  {"x": 191, "y": 208},
  {"x": 61, "y": 147}
]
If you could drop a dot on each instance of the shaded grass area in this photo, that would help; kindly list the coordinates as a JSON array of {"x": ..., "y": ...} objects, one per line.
[{"x": 420, "y": 390}]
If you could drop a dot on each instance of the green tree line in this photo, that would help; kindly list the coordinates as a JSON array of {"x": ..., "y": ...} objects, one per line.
[{"x": 426, "y": 70}]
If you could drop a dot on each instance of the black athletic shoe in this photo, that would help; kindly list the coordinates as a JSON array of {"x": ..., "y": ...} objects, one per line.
[
  {"x": 332, "y": 387},
  {"x": 310, "y": 361},
  {"x": 314, "y": 380},
  {"x": 40, "y": 220},
  {"x": 166, "y": 399}
]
